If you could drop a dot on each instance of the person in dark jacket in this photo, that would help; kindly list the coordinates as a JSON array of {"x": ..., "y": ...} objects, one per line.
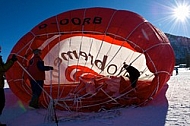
[
  {"x": 4, "y": 67},
  {"x": 134, "y": 74},
  {"x": 176, "y": 70},
  {"x": 37, "y": 70}
]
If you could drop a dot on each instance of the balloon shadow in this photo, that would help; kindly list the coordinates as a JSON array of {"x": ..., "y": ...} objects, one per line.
[{"x": 153, "y": 114}]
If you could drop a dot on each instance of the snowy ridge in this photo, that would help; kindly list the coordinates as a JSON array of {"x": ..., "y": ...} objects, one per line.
[{"x": 181, "y": 47}]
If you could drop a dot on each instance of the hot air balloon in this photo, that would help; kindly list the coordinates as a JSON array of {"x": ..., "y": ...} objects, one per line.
[{"x": 88, "y": 48}]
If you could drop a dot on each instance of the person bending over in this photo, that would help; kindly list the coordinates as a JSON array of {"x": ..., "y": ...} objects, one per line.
[{"x": 134, "y": 74}]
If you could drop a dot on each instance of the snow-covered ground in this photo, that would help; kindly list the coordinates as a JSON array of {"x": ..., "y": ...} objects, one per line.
[{"x": 170, "y": 107}]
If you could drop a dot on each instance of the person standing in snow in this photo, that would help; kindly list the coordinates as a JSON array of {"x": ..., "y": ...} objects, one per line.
[
  {"x": 176, "y": 70},
  {"x": 134, "y": 74},
  {"x": 4, "y": 67},
  {"x": 37, "y": 70}
]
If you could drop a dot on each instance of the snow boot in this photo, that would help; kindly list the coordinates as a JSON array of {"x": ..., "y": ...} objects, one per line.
[{"x": 34, "y": 102}]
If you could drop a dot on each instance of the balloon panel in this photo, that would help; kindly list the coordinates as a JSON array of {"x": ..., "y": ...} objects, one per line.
[{"x": 87, "y": 48}]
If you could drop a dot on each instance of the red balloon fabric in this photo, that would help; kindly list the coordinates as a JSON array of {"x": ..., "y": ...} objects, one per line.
[{"x": 87, "y": 48}]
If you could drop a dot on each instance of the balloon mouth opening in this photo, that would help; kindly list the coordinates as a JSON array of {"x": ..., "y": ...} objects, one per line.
[{"x": 87, "y": 54}]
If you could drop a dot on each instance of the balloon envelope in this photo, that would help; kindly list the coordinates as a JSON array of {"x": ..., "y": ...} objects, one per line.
[{"x": 87, "y": 48}]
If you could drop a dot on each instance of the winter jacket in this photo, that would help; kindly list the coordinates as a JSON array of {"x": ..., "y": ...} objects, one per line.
[
  {"x": 37, "y": 69},
  {"x": 3, "y": 68},
  {"x": 133, "y": 72}
]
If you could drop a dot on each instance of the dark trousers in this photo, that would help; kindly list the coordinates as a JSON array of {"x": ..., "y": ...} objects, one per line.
[
  {"x": 133, "y": 81},
  {"x": 37, "y": 87},
  {"x": 2, "y": 100}
]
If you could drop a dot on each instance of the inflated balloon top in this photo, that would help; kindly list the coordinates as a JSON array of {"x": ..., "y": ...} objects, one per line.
[{"x": 92, "y": 51}]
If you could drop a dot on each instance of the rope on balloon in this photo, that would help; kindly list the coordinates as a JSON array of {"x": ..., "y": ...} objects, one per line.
[
  {"x": 156, "y": 89},
  {"x": 79, "y": 98},
  {"x": 110, "y": 61},
  {"x": 114, "y": 99},
  {"x": 102, "y": 91},
  {"x": 85, "y": 87},
  {"x": 51, "y": 104}
]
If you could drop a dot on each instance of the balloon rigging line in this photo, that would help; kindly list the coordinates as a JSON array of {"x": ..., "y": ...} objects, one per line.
[
  {"x": 35, "y": 81},
  {"x": 156, "y": 89},
  {"x": 82, "y": 89},
  {"x": 104, "y": 91},
  {"x": 58, "y": 53},
  {"x": 25, "y": 45},
  {"x": 81, "y": 97},
  {"x": 121, "y": 95},
  {"x": 106, "y": 39},
  {"x": 158, "y": 84},
  {"x": 51, "y": 83},
  {"x": 108, "y": 95},
  {"x": 32, "y": 78},
  {"x": 152, "y": 63},
  {"x": 105, "y": 34},
  {"x": 135, "y": 59},
  {"x": 90, "y": 49},
  {"x": 84, "y": 16},
  {"x": 58, "y": 81},
  {"x": 122, "y": 46},
  {"x": 155, "y": 46},
  {"x": 61, "y": 105},
  {"x": 112, "y": 99},
  {"x": 79, "y": 53},
  {"x": 112, "y": 44},
  {"x": 25, "y": 86},
  {"x": 115, "y": 35},
  {"x": 114, "y": 55},
  {"x": 59, "y": 94},
  {"x": 135, "y": 29}
]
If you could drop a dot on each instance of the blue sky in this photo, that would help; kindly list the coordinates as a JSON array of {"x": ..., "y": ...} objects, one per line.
[{"x": 17, "y": 17}]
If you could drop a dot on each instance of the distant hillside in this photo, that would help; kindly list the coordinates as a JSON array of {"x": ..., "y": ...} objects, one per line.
[{"x": 181, "y": 46}]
